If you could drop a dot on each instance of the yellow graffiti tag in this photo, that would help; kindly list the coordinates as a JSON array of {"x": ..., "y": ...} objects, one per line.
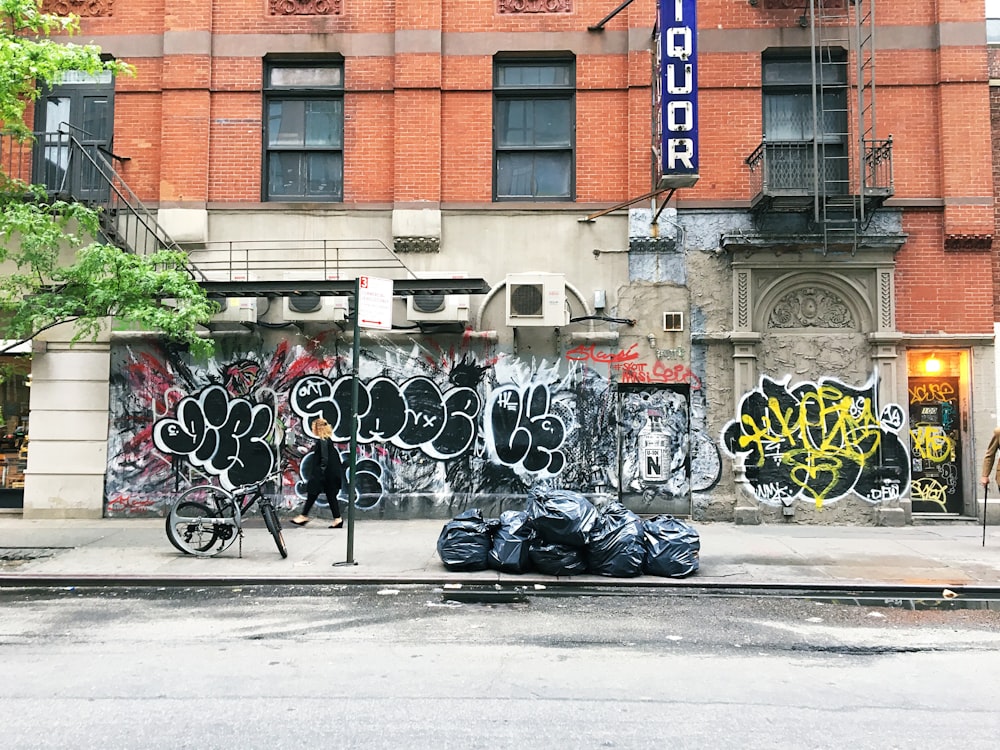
[
  {"x": 931, "y": 392},
  {"x": 826, "y": 431},
  {"x": 928, "y": 490},
  {"x": 931, "y": 443}
]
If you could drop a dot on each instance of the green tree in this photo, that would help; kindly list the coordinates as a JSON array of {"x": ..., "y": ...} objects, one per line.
[{"x": 55, "y": 269}]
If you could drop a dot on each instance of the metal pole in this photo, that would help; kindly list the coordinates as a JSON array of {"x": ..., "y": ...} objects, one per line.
[
  {"x": 352, "y": 483},
  {"x": 986, "y": 491}
]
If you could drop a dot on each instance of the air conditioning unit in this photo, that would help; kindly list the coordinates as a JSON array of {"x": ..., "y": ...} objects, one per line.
[
  {"x": 303, "y": 307},
  {"x": 438, "y": 308},
  {"x": 536, "y": 299},
  {"x": 236, "y": 310}
]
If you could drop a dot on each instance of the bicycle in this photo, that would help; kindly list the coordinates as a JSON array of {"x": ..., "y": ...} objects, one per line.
[{"x": 206, "y": 520}]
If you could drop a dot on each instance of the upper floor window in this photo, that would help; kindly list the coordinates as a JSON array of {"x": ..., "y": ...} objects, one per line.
[
  {"x": 304, "y": 131},
  {"x": 993, "y": 21},
  {"x": 798, "y": 128},
  {"x": 533, "y": 129}
]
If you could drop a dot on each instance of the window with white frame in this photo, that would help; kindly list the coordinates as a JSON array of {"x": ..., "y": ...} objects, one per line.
[
  {"x": 993, "y": 21},
  {"x": 304, "y": 131},
  {"x": 534, "y": 129}
]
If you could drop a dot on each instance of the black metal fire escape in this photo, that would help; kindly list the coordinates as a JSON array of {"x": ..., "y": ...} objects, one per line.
[{"x": 843, "y": 172}]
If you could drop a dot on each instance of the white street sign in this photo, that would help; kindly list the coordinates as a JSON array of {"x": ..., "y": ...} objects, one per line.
[{"x": 375, "y": 303}]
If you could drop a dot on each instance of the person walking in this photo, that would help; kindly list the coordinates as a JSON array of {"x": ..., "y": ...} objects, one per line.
[
  {"x": 326, "y": 474},
  {"x": 989, "y": 458}
]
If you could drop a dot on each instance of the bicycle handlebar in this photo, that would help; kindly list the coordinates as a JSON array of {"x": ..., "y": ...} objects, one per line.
[{"x": 246, "y": 488}]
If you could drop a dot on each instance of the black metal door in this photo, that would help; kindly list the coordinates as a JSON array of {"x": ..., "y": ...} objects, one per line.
[
  {"x": 82, "y": 109},
  {"x": 935, "y": 445}
]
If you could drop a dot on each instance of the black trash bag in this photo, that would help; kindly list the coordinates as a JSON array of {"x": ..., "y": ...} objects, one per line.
[
  {"x": 509, "y": 553},
  {"x": 616, "y": 546},
  {"x": 672, "y": 547},
  {"x": 465, "y": 541},
  {"x": 561, "y": 516},
  {"x": 556, "y": 559}
]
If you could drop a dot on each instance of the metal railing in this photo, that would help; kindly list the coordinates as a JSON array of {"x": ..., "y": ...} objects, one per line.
[
  {"x": 788, "y": 168},
  {"x": 296, "y": 260},
  {"x": 74, "y": 171}
]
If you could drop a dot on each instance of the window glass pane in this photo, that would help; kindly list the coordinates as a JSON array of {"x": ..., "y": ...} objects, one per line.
[
  {"x": 325, "y": 175},
  {"x": 514, "y": 127},
  {"x": 993, "y": 8},
  {"x": 787, "y": 71},
  {"x": 286, "y": 123},
  {"x": 96, "y": 117},
  {"x": 520, "y": 75},
  {"x": 788, "y": 117},
  {"x": 319, "y": 77},
  {"x": 81, "y": 76},
  {"x": 538, "y": 122},
  {"x": 795, "y": 71},
  {"x": 552, "y": 175},
  {"x": 324, "y": 120},
  {"x": 285, "y": 174},
  {"x": 534, "y": 175},
  {"x": 552, "y": 122},
  {"x": 993, "y": 31}
]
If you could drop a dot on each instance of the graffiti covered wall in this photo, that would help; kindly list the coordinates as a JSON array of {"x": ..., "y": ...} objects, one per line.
[
  {"x": 819, "y": 442},
  {"x": 445, "y": 423}
]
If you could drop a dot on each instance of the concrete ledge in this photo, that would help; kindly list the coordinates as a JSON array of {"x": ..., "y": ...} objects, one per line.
[
  {"x": 746, "y": 517},
  {"x": 890, "y": 517}
]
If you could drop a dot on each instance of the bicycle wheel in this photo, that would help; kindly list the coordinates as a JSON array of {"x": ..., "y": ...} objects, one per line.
[
  {"x": 203, "y": 521},
  {"x": 273, "y": 524}
]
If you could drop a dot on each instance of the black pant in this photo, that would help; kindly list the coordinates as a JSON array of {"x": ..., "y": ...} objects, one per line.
[{"x": 331, "y": 491}]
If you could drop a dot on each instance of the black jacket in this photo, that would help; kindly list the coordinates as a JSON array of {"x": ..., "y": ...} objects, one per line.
[{"x": 326, "y": 470}]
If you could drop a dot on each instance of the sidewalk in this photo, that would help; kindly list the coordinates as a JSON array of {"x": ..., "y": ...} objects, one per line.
[{"x": 136, "y": 551}]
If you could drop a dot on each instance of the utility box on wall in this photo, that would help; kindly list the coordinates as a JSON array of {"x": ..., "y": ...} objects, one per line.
[{"x": 536, "y": 299}]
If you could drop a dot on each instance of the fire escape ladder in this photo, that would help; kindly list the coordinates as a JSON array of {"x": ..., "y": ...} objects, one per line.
[
  {"x": 835, "y": 208},
  {"x": 866, "y": 146}
]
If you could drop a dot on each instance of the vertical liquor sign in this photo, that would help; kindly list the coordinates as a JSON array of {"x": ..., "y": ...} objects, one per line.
[{"x": 676, "y": 94}]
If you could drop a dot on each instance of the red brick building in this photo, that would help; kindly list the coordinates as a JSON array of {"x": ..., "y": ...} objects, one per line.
[{"x": 753, "y": 345}]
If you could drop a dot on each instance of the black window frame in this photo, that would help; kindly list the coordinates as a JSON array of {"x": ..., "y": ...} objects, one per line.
[
  {"x": 504, "y": 94},
  {"x": 834, "y": 137},
  {"x": 305, "y": 93}
]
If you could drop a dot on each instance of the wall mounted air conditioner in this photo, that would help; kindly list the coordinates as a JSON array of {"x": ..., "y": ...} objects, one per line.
[
  {"x": 306, "y": 307},
  {"x": 438, "y": 308},
  {"x": 536, "y": 299},
  {"x": 236, "y": 310}
]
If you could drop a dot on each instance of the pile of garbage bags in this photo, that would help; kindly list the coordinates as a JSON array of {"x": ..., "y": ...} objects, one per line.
[{"x": 561, "y": 533}]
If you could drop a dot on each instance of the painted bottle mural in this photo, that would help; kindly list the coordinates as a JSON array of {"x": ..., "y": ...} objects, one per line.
[{"x": 654, "y": 449}]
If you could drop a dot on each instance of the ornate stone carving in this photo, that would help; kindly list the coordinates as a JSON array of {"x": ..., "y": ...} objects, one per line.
[
  {"x": 305, "y": 7},
  {"x": 82, "y": 8},
  {"x": 885, "y": 299},
  {"x": 416, "y": 244},
  {"x": 534, "y": 6},
  {"x": 810, "y": 307},
  {"x": 743, "y": 300}
]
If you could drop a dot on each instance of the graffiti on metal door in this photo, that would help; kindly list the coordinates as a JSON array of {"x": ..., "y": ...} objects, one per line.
[{"x": 935, "y": 444}]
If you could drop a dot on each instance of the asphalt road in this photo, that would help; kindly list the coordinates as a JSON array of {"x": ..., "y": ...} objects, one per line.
[{"x": 411, "y": 667}]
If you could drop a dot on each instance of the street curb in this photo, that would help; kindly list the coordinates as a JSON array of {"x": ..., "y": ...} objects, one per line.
[{"x": 529, "y": 586}]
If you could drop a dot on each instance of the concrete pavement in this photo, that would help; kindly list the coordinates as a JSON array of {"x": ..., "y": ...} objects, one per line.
[{"x": 136, "y": 551}]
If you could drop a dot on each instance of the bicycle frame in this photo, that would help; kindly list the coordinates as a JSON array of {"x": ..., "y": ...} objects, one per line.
[{"x": 223, "y": 509}]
